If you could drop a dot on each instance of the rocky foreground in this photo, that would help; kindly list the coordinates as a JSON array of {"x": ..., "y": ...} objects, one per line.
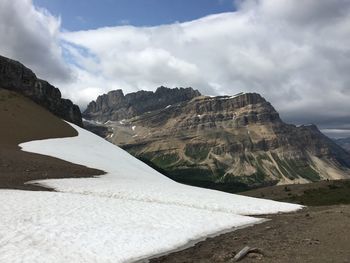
[{"x": 318, "y": 233}]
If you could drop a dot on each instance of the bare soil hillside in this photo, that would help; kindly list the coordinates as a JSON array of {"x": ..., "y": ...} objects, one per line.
[{"x": 23, "y": 120}]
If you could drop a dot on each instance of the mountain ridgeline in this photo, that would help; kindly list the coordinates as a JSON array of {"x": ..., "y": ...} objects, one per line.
[
  {"x": 344, "y": 143},
  {"x": 115, "y": 106},
  {"x": 16, "y": 77},
  {"x": 220, "y": 142}
]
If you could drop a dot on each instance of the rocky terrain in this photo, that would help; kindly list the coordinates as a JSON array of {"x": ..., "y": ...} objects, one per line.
[
  {"x": 227, "y": 142},
  {"x": 22, "y": 121},
  {"x": 243, "y": 127},
  {"x": 28, "y": 107},
  {"x": 115, "y": 106},
  {"x": 344, "y": 143},
  {"x": 314, "y": 234},
  {"x": 16, "y": 77}
]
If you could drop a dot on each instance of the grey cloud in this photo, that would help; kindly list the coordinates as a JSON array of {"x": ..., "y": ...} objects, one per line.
[
  {"x": 295, "y": 53},
  {"x": 32, "y": 37}
]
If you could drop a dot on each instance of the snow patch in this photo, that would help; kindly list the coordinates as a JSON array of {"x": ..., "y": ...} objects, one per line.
[
  {"x": 129, "y": 178},
  {"x": 131, "y": 212},
  {"x": 59, "y": 227}
]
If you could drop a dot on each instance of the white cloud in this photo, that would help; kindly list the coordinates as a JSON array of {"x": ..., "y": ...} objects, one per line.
[
  {"x": 296, "y": 54},
  {"x": 31, "y": 35}
]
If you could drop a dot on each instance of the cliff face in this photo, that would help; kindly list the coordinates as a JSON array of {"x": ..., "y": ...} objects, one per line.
[
  {"x": 16, "y": 77},
  {"x": 115, "y": 106},
  {"x": 227, "y": 140}
]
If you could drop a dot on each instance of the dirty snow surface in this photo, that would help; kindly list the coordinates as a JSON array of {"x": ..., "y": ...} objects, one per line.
[{"x": 130, "y": 213}]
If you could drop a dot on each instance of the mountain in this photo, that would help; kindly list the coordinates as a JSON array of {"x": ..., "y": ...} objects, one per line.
[
  {"x": 115, "y": 106},
  {"x": 125, "y": 212},
  {"x": 129, "y": 214},
  {"x": 32, "y": 109},
  {"x": 23, "y": 120},
  {"x": 344, "y": 143},
  {"x": 225, "y": 142},
  {"x": 16, "y": 77}
]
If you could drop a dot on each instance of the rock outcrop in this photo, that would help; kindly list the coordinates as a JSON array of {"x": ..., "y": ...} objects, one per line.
[
  {"x": 115, "y": 106},
  {"x": 16, "y": 77},
  {"x": 229, "y": 141}
]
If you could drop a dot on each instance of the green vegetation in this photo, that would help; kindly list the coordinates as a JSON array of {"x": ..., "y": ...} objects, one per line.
[
  {"x": 204, "y": 178},
  {"x": 225, "y": 187},
  {"x": 198, "y": 152},
  {"x": 183, "y": 174},
  {"x": 293, "y": 168},
  {"x": 198, "y": 177},
  {"x": 257, "y": 179},
  {"x": 284, "y": 167},
  {"x": 165, "y": 160},
  {"x": 336, "y": 193},
  {"x": 304, "y": 170},
  {"x": 186, "y": 172}
]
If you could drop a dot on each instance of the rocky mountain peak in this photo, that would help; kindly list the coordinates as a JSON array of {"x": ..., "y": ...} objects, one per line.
[
  {"x": 234, "y": 102},
  {"x": 202, "y": 111},
  {"x": 16, "y": 77},
  {"x": 222, "y": 140},
  {"x": 116, "y": 106}
]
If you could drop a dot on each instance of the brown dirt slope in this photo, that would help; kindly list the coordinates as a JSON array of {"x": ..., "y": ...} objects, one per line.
[{"x": 22, "y": 120}]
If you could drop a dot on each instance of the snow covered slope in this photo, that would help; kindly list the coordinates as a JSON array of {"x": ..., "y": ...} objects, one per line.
[
  {"x": 130, "y": 213},
  {"x": 130, "y": 179},
  {"x": 62, "y": 227}
]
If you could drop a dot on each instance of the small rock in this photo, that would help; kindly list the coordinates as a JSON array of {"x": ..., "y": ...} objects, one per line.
[{"x": 255, "y": 255}]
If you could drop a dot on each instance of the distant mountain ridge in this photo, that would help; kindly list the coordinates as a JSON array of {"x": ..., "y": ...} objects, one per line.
[
  {"x": 116, "y": 106},
  {"x": 228, "y": 140},
  {"x": 16, "y": 77},
  {"x": 344, "y": 143}
]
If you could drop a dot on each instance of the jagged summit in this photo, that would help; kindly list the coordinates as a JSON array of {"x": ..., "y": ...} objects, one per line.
[
  {"x": 116, "y": 106},
  {"x": 16, "y": 77}
]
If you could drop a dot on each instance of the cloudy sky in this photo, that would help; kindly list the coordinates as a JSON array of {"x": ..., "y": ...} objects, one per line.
[{"x": 295, "y": 53}]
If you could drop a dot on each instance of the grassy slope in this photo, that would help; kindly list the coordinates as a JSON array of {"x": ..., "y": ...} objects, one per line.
[{"x": 313, "y": 194}]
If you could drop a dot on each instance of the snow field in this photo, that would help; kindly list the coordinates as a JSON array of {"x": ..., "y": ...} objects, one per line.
[
  {"x": 130, "y": 213},
  {"x": 130, "y": 179},
  {"x": 61, "y": 227}
]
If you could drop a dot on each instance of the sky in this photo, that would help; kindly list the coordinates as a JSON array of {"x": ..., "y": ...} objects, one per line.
[
  {"x": 92, "y": 14},
  {"x": 296, "y": 54}
]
